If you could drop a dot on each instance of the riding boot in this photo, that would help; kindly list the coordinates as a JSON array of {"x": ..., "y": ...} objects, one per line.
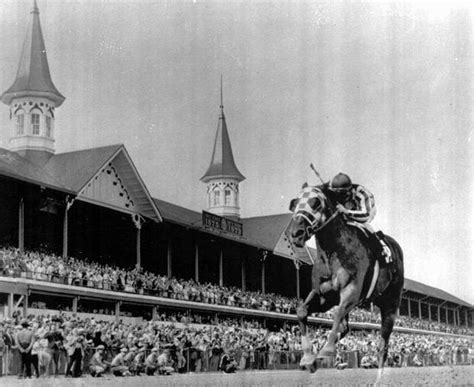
[
  {"x": 377, "y": 249},
  {"x": 387, "y": 254}
]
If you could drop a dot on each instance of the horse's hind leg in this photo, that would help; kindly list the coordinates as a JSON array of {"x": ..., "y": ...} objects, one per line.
[{"x": 388, "y": 320}]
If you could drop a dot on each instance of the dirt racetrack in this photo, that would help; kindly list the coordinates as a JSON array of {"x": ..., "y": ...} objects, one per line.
[{"x": 425, "y": 376}]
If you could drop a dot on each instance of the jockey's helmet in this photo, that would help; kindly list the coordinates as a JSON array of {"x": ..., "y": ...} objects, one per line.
[
  {"x": 340, "y": 182},
  {"x": 341, "y": 185}
]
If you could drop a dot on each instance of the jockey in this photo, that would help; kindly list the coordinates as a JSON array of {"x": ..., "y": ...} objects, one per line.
[{"x": 358, "y": 204}]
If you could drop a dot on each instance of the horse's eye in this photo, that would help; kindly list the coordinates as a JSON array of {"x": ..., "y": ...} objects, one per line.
[{"x": 313, "y": 203}]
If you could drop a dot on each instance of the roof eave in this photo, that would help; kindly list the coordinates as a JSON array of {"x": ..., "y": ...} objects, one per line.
[
  {"x": 207, "y": 178},
  {"x": 121, "y": 148},
  {"x": 9, "y": 95}
]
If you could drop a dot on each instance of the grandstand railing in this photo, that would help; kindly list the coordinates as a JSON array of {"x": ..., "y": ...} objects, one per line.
[
  {"x": 196, "y": 360},
  {"x": 57, "y": 286}
]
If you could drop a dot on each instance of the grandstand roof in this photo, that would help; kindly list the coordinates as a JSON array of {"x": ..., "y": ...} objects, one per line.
[
  {"x": 267, "y": 229},
  {"x": 18, "y": 167},
  {"x": 73, "y": 172},
  {"x": 193, "y": 219},
  {"x": 418, "y": 287},
  {"x": 76, "y": 168},
  {"x": 262, "y": 231}
]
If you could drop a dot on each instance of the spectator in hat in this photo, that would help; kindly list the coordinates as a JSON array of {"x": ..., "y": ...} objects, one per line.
[
  {"x": 228, "y": 363},
  {"x": 97, "y": 364},
  {"x": 151, "y": 364},
  {"x": 164, "y": 363},
  {"x": 129, "y": 357},
  {"x": 35, "y": 350},
  {"x": 75, "y": 352},
  {"x": 24, "y": 341},
  {"x": 55, "y": 344},
  {"x": 139, "y": 362},
  {"x": 118, "y": 366}
]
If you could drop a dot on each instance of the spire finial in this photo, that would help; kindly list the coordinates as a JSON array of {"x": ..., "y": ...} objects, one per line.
[
  {"x": 35, "y": 7},
  {"x": 222, "y": 98}
]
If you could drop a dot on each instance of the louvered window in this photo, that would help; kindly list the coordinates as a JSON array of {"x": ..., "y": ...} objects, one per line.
[
  {"x": 20, "y": 123},
  {"x": 35, "y": 123}
]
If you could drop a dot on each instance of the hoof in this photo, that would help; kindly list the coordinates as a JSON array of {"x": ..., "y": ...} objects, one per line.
[
  {"x": 307, "y": 361},
  {"x": 313, "y": 367}
]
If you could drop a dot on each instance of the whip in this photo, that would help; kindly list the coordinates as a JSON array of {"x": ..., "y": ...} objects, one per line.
[{"x": 316, "y": 172}]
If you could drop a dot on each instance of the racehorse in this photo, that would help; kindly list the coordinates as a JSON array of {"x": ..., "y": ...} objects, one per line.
[{"x": 343, "y": 271}]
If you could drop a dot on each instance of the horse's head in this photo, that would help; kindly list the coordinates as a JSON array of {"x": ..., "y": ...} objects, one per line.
[{"x": 310, "y": 212}]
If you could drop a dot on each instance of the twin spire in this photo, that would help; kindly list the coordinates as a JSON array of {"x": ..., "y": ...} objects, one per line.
[
  {"x": 33, "y": 77},
  {"x": 33, "y": 98},
  {"x": 222, "y": 176},
  {"x": 222, "y": 161}
]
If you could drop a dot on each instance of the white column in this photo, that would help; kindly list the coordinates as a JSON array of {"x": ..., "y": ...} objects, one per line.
[
  {"x": 221, "y": 269},
  {"x": 21, "y": 224},
  {"x": 169, "y": 259},
  {"x": 25, "y": 305},
  {"x": 75, "y": 301},
  {"x": 69, "y": 203},
  {"x": 196, "y": 262},
  {"x": 117, "y": 311},
  {"x": 243, "y": 274},
  {"x": 10, "y": 304},
  {"x": 138, "y": 221},
  {"x": 264, "y": 257}
]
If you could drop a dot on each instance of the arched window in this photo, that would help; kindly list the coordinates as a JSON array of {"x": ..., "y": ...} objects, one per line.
[
  {"x": 20, "y": 123},
  {"x": 217, "y": 201},
  {"x": 49, "y": 123},
  {"x": 35, "y": 123},
  {"x": 227, "y": 196}
]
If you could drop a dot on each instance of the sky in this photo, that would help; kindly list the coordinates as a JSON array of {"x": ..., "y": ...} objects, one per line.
[{"x": 382, "y": 91}]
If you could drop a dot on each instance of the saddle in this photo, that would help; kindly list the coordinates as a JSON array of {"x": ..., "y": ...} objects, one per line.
[{"x": 376, "y": 240}]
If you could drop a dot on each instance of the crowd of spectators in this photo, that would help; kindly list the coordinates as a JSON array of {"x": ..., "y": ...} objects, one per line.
[
  {"x": 71, "y": 271},
  {"x": 49, "y": 267},
  {"x": 135, "y": 348},
  {"x": 366, "y": 316}
]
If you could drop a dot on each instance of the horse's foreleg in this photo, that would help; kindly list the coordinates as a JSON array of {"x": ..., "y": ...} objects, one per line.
[
  {"x": 388, "y": 320},
  {"x": 344, "y": 327},
  {"x": 302, "y": 314},
  {"x": 348, "y": 300}
]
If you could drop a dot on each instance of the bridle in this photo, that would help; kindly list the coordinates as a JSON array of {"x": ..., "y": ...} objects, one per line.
[{"x": 309, "y": 214}]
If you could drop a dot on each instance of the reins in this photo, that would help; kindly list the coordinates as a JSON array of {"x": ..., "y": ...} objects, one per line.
[{"x": 329, "y": 220}]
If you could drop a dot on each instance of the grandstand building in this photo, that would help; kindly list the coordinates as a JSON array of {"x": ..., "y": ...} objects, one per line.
[{"x": 93, "y": 204}]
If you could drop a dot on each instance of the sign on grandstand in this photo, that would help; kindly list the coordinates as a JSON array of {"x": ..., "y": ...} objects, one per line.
[{"x": 221, "y": 224}]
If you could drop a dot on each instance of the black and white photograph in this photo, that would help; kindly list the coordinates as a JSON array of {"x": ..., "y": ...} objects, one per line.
[{"x": 236, "y": 193}]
